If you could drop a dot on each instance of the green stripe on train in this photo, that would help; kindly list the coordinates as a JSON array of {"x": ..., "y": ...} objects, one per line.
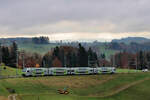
[{"x": 65, "y": 72}]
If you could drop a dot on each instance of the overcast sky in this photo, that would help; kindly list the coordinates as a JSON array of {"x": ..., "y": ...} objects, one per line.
[{"x": 75, "y": 19}]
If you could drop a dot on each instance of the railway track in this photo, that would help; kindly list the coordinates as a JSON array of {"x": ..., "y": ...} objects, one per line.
[{"x": 6, "y": 77}]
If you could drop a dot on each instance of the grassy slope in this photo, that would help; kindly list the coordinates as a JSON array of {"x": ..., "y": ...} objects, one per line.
[
  {"x": 79, "y": 86},
  {"x": 9, "y": 71},
  {"x": 136, "y": 92}
]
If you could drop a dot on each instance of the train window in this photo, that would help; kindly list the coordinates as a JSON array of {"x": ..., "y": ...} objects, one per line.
[
  {"x": 72, "y": 70},
  {"x": 60, "y": 69},
  {"x": 69, "y": 70},
  {"x": 38, "y": 69},
  {"x": 24, "y": 70}
]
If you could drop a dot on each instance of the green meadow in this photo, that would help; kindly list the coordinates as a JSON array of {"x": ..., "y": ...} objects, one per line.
[{"x": 120, "y": 86}]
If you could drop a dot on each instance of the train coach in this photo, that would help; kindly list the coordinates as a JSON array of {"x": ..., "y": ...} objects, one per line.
[
  {"x": 104, "y": 70},
  {"x": 81, "y": 71},
  {"x": 34, "y": 71},
  {"x": 58, "y": 71},
  {"x": 53, "y": 71}
]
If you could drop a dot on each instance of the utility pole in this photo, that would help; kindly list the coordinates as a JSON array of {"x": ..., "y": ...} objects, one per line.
[
  {"x": 0, "y": 53},
  {"x": 43, "y": 63},
  {"x": 0, "y": 58},
  {"x": 136, "y": 63},
  {"x": 16, "y": 61},
  {"x": 64, "y": 61},
  {"x": 114, "y": 61},
  {"x": 129, "y": 64},
  {"x": 22, "y": 55},
  {"x": 89, "y": 61}
]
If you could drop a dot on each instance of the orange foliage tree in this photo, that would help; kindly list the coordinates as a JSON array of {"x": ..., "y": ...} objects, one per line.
[{"x": 37, "y": 65}]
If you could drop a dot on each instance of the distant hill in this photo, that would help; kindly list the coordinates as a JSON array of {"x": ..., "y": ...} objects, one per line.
[
  {"x": 18, "y": 40},
  {"x": 128, "y": 40},
  {"x": 130, "y": 44},
  {"x": 38, "y": 48},
  {"x": 35, "y": 40}
]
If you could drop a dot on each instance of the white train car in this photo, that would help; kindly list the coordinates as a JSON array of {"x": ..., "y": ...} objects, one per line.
[
  {"x": 35, "y": 72},
  {"x": 66, "y": 71},
  {"x": 58, "y": 71},
  {"x": 104, "y": 70},
  {"x": 81, "y": 70}
]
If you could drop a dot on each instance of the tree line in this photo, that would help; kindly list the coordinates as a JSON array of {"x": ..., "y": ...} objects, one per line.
[
  {"x": 8, "y": 54},
  {"x": 62, "y": 56},
  {"x": 67, "y": 56},
  {"x": 40, "y": 40},
  {"x": 139, "y": 60}
]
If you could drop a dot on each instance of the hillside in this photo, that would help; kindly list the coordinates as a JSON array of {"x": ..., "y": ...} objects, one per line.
[
  {"x": 8, "y": 71},
  {"x": 18, "y": 40},
  {"x": 38, "y": 48},
  {"x": 130, "y": 44},
  {"x": 128, "y": 40},
  {"x": 100, "y": 87},
  {"x": 44, "y": 48}
]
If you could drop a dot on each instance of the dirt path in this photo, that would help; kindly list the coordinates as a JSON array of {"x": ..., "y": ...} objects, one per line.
[
  {"x": 3, "y": 98},
  {"x": 128, "y": 86},
  {"x": 12, "y": 97},
  {"x": 122, "y": 88}
]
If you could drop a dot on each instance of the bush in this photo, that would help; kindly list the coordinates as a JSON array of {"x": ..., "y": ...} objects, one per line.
[
  {"x": 11, "y": 90},
  {"x": 4, "y": 68}
]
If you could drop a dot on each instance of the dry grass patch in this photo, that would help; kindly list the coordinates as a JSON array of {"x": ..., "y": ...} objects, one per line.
[
  {"x": 3, "y": 98},
  {"x": 74, "y": 81}
]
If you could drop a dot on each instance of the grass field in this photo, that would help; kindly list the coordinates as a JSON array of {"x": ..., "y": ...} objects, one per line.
[
  {"x": 127, "y": 71},
  {"x": 127, "y": 86}
]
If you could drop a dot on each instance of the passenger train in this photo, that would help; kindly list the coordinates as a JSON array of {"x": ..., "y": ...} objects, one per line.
[{"x": 66, "y": 71}]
